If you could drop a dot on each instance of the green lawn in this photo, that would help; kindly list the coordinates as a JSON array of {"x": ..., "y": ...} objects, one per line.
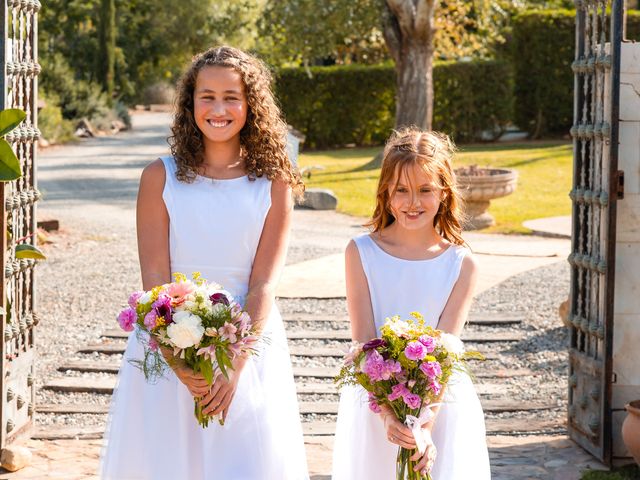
[
  {"x": 544, "y": 168},
  {"x": 630, "y": 472}
]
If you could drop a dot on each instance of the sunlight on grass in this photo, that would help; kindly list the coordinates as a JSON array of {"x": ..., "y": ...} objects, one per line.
[{"x": 544, "y": 181}]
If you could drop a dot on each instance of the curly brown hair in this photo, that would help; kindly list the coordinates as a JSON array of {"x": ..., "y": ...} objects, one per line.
[
  {"x": 433, "y": 152},
  {"x": 263, "y": 138}
]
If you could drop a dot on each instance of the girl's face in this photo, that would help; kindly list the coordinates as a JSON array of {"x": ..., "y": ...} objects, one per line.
[
  {"x": 219, "y": 104},
  {"x": 416, "y": 199}
]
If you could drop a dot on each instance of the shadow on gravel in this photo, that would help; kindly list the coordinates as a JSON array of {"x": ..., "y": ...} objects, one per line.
[
  {"x": 99, "y": 165},
  {"x": 102, "y": 190},
  {"x": 554, "y": 340}
]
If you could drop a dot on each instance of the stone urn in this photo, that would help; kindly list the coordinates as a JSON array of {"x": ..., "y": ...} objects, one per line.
[
  {"x": 480, "y": 185},
  {"x": 631, "y": 429}
]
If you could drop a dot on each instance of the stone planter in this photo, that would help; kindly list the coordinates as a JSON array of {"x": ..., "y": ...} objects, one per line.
[
  {"x": 631, "y": 430},
  {"x": 478, "y": 187}
]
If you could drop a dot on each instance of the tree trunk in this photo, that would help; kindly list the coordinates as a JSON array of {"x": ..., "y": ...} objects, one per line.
[
  {"x": 408, "y": 33},
  {"x": 414, "y": 98},
  {"x": 107, "y": 46}
]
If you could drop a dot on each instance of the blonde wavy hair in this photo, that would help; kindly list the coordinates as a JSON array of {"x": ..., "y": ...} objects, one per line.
[
  {"x": 263, "y": 138},
  {"x": 433, "y": 152}
]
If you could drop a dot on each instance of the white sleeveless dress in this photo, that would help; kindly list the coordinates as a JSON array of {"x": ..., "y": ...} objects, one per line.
[
  {"x": 361, "y": 450},
  {"x": 215, "y": 227}
]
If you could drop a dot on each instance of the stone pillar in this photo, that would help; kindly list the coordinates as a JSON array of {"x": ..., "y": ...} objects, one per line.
[{"x": 626, "y": 324}]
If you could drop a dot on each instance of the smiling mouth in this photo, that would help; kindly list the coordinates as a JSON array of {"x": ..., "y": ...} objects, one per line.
[
  {"x": 218, "y": 123},
  {"x": 413, "y": 214}
]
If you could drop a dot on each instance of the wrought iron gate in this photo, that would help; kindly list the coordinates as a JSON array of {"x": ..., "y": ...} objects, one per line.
[
  {"x": 596, "y": 187},
  {"x": 19, "y": 90}
]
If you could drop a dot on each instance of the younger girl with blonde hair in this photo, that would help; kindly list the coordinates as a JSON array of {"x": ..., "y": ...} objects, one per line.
[
  {"x": 221, "y": 205},
  {"x": 414, "y": 259}
]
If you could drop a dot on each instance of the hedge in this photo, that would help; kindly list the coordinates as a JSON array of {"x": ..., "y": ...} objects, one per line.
[
  {"x": 541, "y": 51},
  {"x": 355, "y": 104}
]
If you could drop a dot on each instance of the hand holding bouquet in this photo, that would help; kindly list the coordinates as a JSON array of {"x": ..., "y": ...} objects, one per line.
[
  {"x": 406, "y": 370},
  {"x": 199, "y": 322}
]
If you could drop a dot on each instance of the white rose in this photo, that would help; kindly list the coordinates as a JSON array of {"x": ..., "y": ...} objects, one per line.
[
  {"x": 452, "y": 343},
  {"x": 186, "y": 330},
  {"x": 144, "y": 298}
]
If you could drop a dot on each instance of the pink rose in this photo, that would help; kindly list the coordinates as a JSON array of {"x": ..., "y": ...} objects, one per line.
[{"x": 428, "y": 342}]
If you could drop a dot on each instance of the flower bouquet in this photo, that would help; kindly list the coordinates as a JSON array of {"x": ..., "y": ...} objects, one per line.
[
  {"x": 198, "y": 321},
  {"x": 406, "y": 369}
]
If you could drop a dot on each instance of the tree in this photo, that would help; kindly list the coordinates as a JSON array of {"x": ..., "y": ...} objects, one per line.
[
  {"x": 107, "y": 46},
  {"x": 409, "y": 32}
]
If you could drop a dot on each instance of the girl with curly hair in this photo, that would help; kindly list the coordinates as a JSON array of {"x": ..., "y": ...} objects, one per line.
[
  {"x": 221, "y": 205},
  {"x": 414, "y": 259}
]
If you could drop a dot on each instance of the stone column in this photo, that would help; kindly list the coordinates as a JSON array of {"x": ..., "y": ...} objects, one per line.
[{"x": 626, "y": 324}]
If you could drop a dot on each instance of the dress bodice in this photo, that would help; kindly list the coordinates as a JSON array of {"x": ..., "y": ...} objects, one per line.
[
  {"x": 399, "y": 287},
  {"x": 215, "y": 225}
]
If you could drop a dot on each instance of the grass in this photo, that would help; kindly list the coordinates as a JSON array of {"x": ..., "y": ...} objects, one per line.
[
  {"x": 630, "y": 472},
  {"x": 544, "y": 169}
]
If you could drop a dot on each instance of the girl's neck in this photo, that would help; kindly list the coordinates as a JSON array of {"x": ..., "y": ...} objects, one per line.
[
  {"x": 222, "y": 160},
  {"x": 412, "y": 239}
]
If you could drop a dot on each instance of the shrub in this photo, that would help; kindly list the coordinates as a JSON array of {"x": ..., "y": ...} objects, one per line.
[
  {"x": 53, "y": 126},
  {"x": 158, "y": 93},
  {"x": 541, "y": 50},
  {"x": 355, "y": 104}
]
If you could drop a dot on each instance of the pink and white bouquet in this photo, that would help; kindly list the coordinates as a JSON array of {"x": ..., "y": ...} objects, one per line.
[
  {"x": 198, "y": 321},
  {"x": 406, "y": 370}
]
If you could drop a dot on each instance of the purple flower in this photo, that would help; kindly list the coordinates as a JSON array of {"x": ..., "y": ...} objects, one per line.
[
  {"x": 133, "y": 299},
  {"x": 435, "y": 387},
  {"x": 374, "y": 366},
  {"x": 374, "y": 344},
  {"x": 162, "y": 307},
  {"x": 415, "y": 351},
  {"x": 150, "y": 319},
  {"x": 412, "y": 400},
  {"x": 373, "y": 404},
  {"x": 431, "y": 369},
  {"x": 428, "y": 342},
  {"x": 397, "y": 391},
  {"x": 392, "y": 367},
  {"x": 127, "y": 319},
  {"x": 219, "y": 297}
]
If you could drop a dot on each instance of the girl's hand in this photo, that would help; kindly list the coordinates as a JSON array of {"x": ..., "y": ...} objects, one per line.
[
  {"x": 397, "y": 432},
  {"x": 425, "y": 460},
  {"x": 219, "y": 398},
  {"x": 195, "y": 382}
]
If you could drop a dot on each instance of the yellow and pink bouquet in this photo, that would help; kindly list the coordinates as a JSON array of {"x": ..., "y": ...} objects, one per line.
[
  {"x": 406, "y": 369},
  {"x": 198, "y": 321}
]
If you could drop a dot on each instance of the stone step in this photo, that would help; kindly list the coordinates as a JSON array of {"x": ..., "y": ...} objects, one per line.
[
  {"x": 313, "y": 372},
  {"x": 56, "y": 432},
  {"x": 65, "y": 408},
  {"x": 510, "y": 426},
  {"x": 497, "y": 319},
  {"x": 471, "y": 337},
  {"x": 104, "y": 348},
  {"x": 82, "y": 384},
  {"x": 516, "y": 426}
]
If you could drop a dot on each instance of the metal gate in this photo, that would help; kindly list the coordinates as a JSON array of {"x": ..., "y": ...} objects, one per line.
[
  {"x": 19, "y": 90},
  {"x": 596, "y": 187}
]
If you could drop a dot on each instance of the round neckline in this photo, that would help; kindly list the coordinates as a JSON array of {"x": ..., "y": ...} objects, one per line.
[
  {"x": 441, "y": 254},
  {"x": 202, "y": 177}
]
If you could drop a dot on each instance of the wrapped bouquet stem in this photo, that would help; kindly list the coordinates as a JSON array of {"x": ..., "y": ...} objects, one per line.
[{"x": 194, "y": 322}]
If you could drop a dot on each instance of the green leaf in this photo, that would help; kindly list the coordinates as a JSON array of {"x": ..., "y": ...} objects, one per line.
[
  {"x": 9, "y": 163},
  {"x": 29, "y": 251},
  {"x": 10, "y": 119},
  {"x": 206, "y": 368},
  {"x": 221, "y": 364}
]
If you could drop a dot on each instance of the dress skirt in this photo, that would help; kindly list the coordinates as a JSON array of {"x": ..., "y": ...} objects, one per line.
[{"x": 153, "y": 435}]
